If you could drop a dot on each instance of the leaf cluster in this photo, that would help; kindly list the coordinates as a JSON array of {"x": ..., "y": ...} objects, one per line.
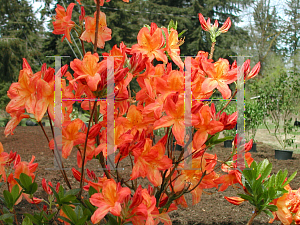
[{"x": 262, "y": 188}]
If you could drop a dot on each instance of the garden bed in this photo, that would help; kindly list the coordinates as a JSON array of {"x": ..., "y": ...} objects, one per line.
[{"x": 212, "y": 209}]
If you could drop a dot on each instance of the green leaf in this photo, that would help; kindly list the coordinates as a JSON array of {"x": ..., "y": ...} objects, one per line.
[
  {"x": 218, "y": 141},
  {"x": 35, "y": 219},
  {"x": 262, "y": 166},
  {"x": 290, "y": 178},
  {"x": 68, "y": 210},
  {"x": 248, "y": 174},
  {"x": 182, "y": 32},
  {"x": 278, "y": 178},
  {"x": 74, "y": 191},
  {"x": 15, "y": 192},
  {"x": 26, "y": 221},
  {"x": 268, "y": 213},
  {"x": 254, "y": 168},
  {"x": 112, "y": 220},
  {"x": 9, "y": 200},
  {"x": 65, "y": 219},
  {"x": 246, "y": 197},
  {"x": 92, "y": 191},
  {"x": 33, "y": 188},
  {"x": 67, "y": 199},
  {"x": 266, "y": 171},
  {"x": 61, "y": 191},
  {"x": 6, "y": 216},
  {"x": 273, "y": 208},
  {"x": 25, "y": 180}
]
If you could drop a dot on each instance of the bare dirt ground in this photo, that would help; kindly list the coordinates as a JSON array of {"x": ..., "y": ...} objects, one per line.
[{"x": 212, "y": 209}]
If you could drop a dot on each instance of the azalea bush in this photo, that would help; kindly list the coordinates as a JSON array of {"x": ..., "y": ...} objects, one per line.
[{"x": 109, "y": 195}]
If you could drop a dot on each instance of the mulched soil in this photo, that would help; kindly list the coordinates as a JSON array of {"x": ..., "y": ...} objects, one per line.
[{"x": 212, "y": 209}]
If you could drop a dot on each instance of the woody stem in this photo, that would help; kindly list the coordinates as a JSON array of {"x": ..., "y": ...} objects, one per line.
[
  {"x": 252, "y": 218},
  {"x": 82, "y": 46},
  {"x": 228, "y": 101},
  {"x": 212, "y": 49},
  {"x": 56, "y": 156},
  {"x": 84, "y": 150},
  {"x": 97, "y": 25}
]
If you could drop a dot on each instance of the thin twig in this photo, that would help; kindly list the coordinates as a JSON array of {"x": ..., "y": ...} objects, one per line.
[
  {"x": 59, "y": 162},
  {"x": 16, "y": 220},
  {"x": 84, "y": 150},
  {"x": 82, "y": 46},
  {"x": 228, "y": 101},
  {"x": 212, "y": 49},
  {"x": 252, "y": 218}
]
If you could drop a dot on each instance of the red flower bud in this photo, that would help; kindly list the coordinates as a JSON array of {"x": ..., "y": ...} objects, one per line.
[
  {"x": 255, "y": 70},
  {"x": 82, "y": 14},
  {"x": 235, "y": 200},
  {"x": 225, "y": 26},
  {"x": 205, "y": 25}
]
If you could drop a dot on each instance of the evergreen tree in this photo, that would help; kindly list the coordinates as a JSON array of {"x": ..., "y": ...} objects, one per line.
[{"x": 19, "y": 38}]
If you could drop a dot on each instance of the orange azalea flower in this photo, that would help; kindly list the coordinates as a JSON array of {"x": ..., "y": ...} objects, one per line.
[
  {"x": 22, "y": 94},
  {"x": 3, "y": 160},
  {"x": 63, "y": 23},
  {"x": 87, "y": 69},
  {"x": 23, "y": 167},
  {"x": 146, "y": 212},
  {"x": 172, "y": 47},
  {"x": 109, "y": 200},
  {"x": 288, "y": 207},
  {"x": 149, "y": 161},
  {"x": 70, "y": 137},
  {"x": 150, "y": 43},
  {"x": 200, "y": 164},
  {"x": 16, "y": 118},
  {"x": 45, "y": 92},
  {"x": 171, "y": 83},
  {"x": 174, "y": 107},
  {"x": 134, "y": 120},
  {"x": 205, "y": 125},
  {"x": 219, "y": 76},
  {"x": 104, "y": 33}
]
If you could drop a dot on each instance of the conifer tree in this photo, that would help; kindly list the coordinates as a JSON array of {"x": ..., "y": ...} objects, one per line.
[{"x": 19, "y": 38}]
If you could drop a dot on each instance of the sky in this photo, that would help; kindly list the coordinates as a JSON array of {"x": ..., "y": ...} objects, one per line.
[{"x": 246, "y": 15}]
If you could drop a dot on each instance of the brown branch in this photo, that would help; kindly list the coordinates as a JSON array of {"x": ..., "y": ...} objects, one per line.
[
  {"x": 17, "y": 223},
  {"x": 82, "y": 46},
  {"x": 212, "y": 49},
  {"x": 84, "y": 150},
  {"x": 59, "y": 161},
  {"x": 252, "y": 218},
  {"x": 228, "y": 101},
  {"x": 270, "y": 45}
]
